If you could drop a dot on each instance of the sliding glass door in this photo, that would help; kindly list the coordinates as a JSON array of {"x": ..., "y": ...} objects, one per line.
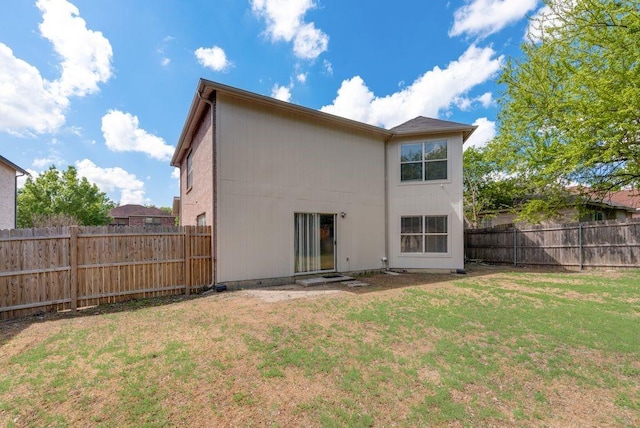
[{"x": 315, "y": 242}]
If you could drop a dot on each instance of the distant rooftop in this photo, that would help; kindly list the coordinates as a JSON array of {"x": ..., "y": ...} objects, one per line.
[{"x": 131, "y": 210}]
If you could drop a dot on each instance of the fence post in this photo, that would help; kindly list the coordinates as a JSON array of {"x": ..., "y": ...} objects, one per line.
[
  {"x": 580, "y": 256},
  {"x": 187, "y": 259},
  {"x": 73, "y": 261},
  {"x": 515, "y": 246}
]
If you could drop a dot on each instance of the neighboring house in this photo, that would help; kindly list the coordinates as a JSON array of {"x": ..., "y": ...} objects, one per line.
[
  {"x": 138, "y": 215},
  {"x": 9, "y": 173},
  {"x": 290, "y": 190},
  {"x": 619, "y": 205},
  {"x": 627, "y": 198}
]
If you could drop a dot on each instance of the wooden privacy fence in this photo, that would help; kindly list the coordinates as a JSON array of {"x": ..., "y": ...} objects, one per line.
[
  {"x": 44, "y": 270},
  {"x": 580, "y": 245}
]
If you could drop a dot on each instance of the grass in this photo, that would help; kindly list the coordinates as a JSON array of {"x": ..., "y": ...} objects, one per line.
[{"x": 492, "y": 348}]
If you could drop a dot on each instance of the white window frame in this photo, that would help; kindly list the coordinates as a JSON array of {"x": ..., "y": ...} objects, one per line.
[
  {"x": 423, "y": 162},
  {"x": 423, "y": 234},
  {"x": 190, "y": 170}
]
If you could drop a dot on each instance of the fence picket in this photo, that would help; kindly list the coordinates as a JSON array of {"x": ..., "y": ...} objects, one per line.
[{"x": 44, "y": 270}]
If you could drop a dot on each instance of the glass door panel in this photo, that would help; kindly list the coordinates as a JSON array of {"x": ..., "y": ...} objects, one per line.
[{"x": 314, "y": 242}]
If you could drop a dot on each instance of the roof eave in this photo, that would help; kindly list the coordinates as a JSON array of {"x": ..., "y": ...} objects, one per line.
[
  {"x": 206, "y": 87},
  {"x": 466, "y": 132},
  {"x": 13, "y": 165}
]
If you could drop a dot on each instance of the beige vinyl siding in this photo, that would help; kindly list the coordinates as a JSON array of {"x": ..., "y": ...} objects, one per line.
[
  {"x": 274, "y": 164},
  {"x": 7, "y": 197},
  {"x": 425, "y": 198}
]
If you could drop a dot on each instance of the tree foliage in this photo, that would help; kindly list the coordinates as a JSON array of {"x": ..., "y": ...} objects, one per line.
[
  {"x": 570, "y": 113},
  {"x": 62, "y": 197},
  {"x": 486, "y": 187}
]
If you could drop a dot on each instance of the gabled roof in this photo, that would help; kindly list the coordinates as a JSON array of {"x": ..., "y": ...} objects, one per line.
[
  {"x": 207, "y": 89},
  {"x": 12, "y": 165},
  {"x": 132, "y": 210},
  {"x": 423, "y": 125}
]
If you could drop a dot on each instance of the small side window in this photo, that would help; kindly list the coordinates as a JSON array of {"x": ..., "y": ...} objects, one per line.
[
  {"x": 190, "y": 170},
  {"x": 201, "y": 220}
]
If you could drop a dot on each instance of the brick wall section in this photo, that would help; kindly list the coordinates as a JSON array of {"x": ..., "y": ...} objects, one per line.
[
  {"x": 199, "y": 198},
  {"x": 7, "y": 197},
  {"x": 139, "y": 221}
]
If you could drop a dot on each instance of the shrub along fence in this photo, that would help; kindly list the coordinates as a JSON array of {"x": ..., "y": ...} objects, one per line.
[
  {"x": 45, "y": 270},
  {"x": 581, "y": 245}
]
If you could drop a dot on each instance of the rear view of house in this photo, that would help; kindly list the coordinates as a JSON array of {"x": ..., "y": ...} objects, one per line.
[
  {"x": 9, "y": 172},
  {"x": 290, "y": 190}
]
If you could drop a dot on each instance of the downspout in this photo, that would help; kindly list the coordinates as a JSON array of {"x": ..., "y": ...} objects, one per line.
[
  {"x": 15, "y": 201},
  {"x": 214, "y": 190},
  {"x": 386, "y": 203}
]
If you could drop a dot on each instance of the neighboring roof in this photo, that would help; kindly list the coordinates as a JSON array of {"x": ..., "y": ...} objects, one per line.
[
  {"x": 12, "y": 165},
  {"x": 206, "y": 88},
  {"x": 131, "y": 210},
  {"x": 421, "y": 125},
  {"x": 626, "y": 198}
]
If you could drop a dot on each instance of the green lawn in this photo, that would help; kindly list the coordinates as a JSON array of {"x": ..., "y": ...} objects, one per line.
[{"x": 496, "y": 347}]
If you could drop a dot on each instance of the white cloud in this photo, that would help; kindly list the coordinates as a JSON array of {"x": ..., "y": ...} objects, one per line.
[
  {"x": 486, "y": 99},
  {"x": 463, "y": 103},
  {"x": 328, "y": 68},
  {"x": 310, "y": 42},
  {"x": 122, "y": 133},
  {"x": 31, "y": 104},
  {"x": 26, "y": 104},
  {"x": 165, "y": 60},
  {"x": 115, "y": 179},
  {"x": 354, "y": 101},
  {"x": 282, "y": 93},
  {"x": 175, "y": 174},
  {"x": 214, "y": 58},
  {"x": 284, "y": 19},
  {"x": 46, "y": 162},
  {"x": 301, "y": 77},
  {"x": 484, "y": 17},
  {"x": 546, "y": 19},
  {"x": 85, "y": 54},
  {"x": 466, "y": 104},
  {"x": 434, "y": 91},
  {"x": 483, "y": 134}
]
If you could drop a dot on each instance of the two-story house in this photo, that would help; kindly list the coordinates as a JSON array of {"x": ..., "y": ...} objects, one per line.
[
  {"x": 290, "y": 190},
  {"x": 9, "y": 173}
]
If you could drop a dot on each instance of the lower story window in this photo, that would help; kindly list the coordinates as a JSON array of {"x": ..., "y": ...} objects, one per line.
[
  {"x": 424, "y": 234},
  {"x": 152, "y": 221}
]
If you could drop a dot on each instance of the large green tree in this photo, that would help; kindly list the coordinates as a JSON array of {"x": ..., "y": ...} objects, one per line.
[
  {"x": 570, "y": 113},
  {"x": 62, "y": 197}
]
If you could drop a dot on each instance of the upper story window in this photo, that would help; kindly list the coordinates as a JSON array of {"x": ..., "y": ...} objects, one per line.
[
  {"x": 190, "y": 170},
  {"x": 423, "y": 161}
]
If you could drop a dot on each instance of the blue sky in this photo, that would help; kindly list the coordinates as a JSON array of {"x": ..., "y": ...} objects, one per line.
[{"x": 105, "y": 85}]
